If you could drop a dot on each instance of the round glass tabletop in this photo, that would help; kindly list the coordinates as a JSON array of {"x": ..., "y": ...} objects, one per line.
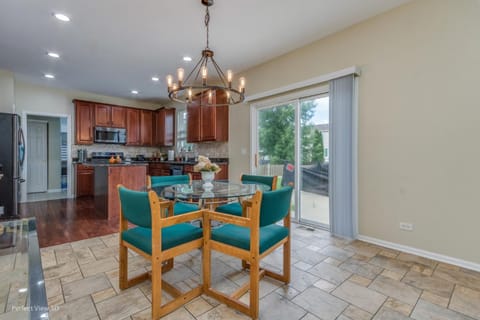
[{"x": 220, "y": 189}]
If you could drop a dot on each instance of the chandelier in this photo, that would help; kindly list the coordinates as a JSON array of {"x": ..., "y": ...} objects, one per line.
[{"x": 197, "y": 86}]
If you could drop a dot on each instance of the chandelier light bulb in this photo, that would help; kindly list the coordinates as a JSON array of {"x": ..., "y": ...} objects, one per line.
[
  {"x": 189, "y": 94},
  {"x": 242, "y": 84},
  {"x": 169, "y": 81},
  {"x": 210, "y": 96},
  {"x": 229, "y": 78},
  {"x": 180, "y": 74}
]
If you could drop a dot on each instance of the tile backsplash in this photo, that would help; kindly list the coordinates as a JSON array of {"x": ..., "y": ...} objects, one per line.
[{"x": 209, "y": 149}]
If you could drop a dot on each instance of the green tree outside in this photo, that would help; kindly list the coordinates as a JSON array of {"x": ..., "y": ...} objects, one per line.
[{"x": 277, "y": 134}]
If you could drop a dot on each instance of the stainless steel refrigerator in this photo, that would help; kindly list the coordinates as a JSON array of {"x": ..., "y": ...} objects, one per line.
[{"x": 12, "y": 155}]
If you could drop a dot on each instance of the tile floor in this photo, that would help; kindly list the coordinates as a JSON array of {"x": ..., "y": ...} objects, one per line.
[{"x": 332, "y": 278}]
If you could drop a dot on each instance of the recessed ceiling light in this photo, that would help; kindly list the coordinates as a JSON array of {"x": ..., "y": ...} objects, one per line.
[
  {"x": 53, "y": 55},
  {"x": 187, "y": 59},
  {"x": 155, "y": 79},
  {"x": 134, "y": 92},
  {"x": 49, "y": 76},
  {"x": 62, "y": 17}
]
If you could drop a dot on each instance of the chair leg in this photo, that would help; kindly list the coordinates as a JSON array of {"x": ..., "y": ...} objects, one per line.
[
  {"x": 254, "y": 287},
  {"x": 156, "y": 287},
  {"x": 123, "y": 272},
  {"x": 206, "y": 253},
  {"x": 286, "y": 261}
]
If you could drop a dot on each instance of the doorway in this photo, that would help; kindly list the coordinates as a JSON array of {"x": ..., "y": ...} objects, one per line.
[
  {"x": 297, "y": 132},
  {"x": 37, "y": 156},
  {"x": 47, "y": 164}
]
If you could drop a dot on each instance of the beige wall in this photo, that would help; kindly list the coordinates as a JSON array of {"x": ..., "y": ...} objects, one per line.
[
  {"x": 418, "y": 124},
  {"x": 6, "y": 91},
  {"x": 37, "y": 98}
]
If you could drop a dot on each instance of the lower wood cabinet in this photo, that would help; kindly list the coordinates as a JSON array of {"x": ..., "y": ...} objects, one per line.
[
  {"x": 158, "y": 169},
  {"x": 84, "y": 181}
]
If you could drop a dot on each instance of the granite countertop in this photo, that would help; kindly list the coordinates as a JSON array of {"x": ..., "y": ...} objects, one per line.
[
  {"x": 148, "y": 161},
  {"x": 123, "y": 164},
  {"x": 189, "y": 161}
]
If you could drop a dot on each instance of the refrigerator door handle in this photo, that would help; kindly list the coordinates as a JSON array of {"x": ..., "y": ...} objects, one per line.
[{"x": 21, "y": 146}]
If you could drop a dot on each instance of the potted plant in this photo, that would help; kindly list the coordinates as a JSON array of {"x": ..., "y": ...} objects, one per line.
[{"x": 207, "y": 169}]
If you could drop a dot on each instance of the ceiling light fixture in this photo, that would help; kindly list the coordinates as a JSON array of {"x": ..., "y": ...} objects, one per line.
[
  {"x": 134, "y": 92},
  {"x": 62, "y": 17},
  {"x": 53, "y": 55},
  {"x": 49, "y": 76},
  {"x": 187, "y": 59},
  {"x": 186, "y": 89},
  {"x": 155, "y": 79}
]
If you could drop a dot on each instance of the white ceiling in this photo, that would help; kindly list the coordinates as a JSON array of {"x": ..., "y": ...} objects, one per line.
[{"x": 113, "y": 46}]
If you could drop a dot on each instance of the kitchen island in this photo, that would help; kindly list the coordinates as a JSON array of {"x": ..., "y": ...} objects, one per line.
[{"x": 106, "y": 179}]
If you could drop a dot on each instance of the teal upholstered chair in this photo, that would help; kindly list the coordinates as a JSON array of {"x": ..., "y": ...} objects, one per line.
[
  {"x": 250, "y": 238},
  {"x": 165, "y": 181},
  {"x": 235, "y": 208},
  {"x": 158, "y": 239}
]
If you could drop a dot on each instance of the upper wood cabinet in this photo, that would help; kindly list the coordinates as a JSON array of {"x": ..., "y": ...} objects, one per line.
[
  {"x": 84, "y": 112},
  {"x": 165, "y": 127},
  {"x": 133, "y": 127},
  {"x": 207, "y": 123},
  {"x": 146, "y": 127},
  {"x": 110, "y": 116}
]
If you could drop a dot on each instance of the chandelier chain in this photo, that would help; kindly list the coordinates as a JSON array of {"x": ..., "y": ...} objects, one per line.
[{"x": 207, "y": 21}]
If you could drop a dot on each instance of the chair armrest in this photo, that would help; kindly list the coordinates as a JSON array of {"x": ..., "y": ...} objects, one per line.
[
  {"x": 170, "y": 221},
  {"x": 166, "y": 206},
  {"x": 227, "y": 218}
]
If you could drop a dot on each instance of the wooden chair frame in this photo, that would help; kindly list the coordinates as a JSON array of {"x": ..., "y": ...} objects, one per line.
[
  {"x": 250, "y": 258},
  {"x": 162, "y": 261}
]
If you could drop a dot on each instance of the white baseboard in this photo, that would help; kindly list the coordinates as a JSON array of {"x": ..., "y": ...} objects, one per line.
[
  {"x": 423, "y": 253},
  {"x": 54, "y": 190}
]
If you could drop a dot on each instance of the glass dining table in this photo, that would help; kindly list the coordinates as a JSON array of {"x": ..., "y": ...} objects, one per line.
[{"x": 221, "y": 192}]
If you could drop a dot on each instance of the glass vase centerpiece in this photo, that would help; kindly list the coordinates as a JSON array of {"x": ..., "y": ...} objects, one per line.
[{"x": 207, "y": 169}]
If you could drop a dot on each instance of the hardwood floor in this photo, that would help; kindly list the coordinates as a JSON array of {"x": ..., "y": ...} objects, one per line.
[{"x": 67, "y": 220}]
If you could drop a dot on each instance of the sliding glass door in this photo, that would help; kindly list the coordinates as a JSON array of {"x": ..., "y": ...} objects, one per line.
[
  {"x": 290, "y": 133},
  {"x": 275, "y": 153},
  {"x": 313, "y": 175}
]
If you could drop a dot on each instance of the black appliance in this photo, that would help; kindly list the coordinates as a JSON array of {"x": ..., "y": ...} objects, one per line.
[
  {"x": 176, "y": 170},
  {"x": 110, "y": 135},
  {"x": 12, "y": 155}
]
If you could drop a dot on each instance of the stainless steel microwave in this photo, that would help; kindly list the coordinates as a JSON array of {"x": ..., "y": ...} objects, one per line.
[{"x": 110, "y": 135}]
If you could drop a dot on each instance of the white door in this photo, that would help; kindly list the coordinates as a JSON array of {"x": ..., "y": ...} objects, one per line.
[{"x": 37, "y": 158}]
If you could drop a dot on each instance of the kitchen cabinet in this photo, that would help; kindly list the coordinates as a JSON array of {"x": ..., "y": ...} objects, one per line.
[
  {"x": 107, "y": 178},
  {"x": 165, "y": 127},
  {"x": 146, "y": 128},
  {"x": 84, "y": 112},
  {"x": 158, "y": 169},
  {"x": 223, "y": 174},
  {"x": 110, "y": 116},
  {"x": 206, "y": 123},
  {"x": 133, "y": 127},
  {"x": 84, "y": 181},
  {"x": 189, "y": 169}
]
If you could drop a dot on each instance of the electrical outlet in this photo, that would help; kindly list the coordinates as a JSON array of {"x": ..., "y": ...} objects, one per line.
[{"x": 406, "y": 226}]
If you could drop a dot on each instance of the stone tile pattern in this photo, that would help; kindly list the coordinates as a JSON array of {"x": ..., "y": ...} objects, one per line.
[{"x": 337, "y": 279}]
